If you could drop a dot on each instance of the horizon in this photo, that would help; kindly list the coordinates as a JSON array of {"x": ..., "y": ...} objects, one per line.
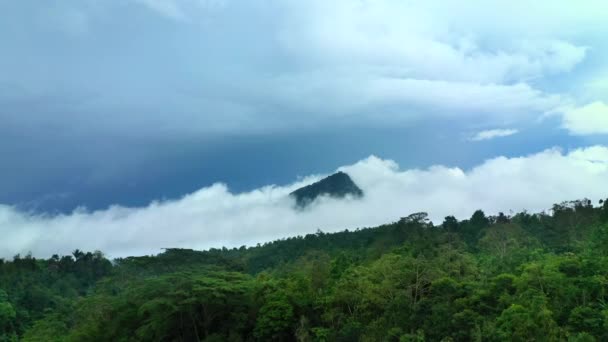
[{"x": 268, "y": 213}]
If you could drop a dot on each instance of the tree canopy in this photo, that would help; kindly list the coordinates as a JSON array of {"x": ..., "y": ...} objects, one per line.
[{"x": 523, "y": 277}]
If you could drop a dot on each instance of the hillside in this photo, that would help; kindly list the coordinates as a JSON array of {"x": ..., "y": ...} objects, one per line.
[
  {"x": 337, "y": 185},
  {"x": 524, "y": 277}
]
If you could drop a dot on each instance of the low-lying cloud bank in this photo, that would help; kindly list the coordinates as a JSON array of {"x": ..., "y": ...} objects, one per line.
[{"x": 215, "y": 217}]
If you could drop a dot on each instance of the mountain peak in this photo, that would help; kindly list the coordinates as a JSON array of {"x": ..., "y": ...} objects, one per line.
[{"x": 337, "y": 185}]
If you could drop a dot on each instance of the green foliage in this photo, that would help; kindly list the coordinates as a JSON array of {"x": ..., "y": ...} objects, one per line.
[
  {"x": 587, "y": 319},
  {"x": 30, "y": 287},
  {"x": 7, "y": 318},
  {"x": 274, "y": 320},
  {"x": 526, "y": 277},
  {"x": 519, "y": 323}
]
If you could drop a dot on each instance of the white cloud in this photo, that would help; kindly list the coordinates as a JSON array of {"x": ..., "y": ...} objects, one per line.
[
  {"x": 179, "y": 9},
  {"x": 168, "y": 8},
  {"x": 597, "y": 87},
  {"x": 361, "y": 56},
  {"x": 589, "y": 119},
  {"x": 420, "y": 42},
  {"x": 493, "y": 133},
  {"x": 380, "y": 98},
  {"x": 214, "y": 217},
  {"x": 261, "y": 59}
]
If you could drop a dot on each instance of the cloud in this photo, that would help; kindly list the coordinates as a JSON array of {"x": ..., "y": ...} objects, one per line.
[
  {"x": 323, "y": 60},
  {"x": 493, "y": 133},
  {"x": 418, "y": 42},
  {"x": 87, "y": 85},
  {"x": 215, "y": 217},
  {"x": 589, "y": 119},
  {"x": 180, "y": 10},
  {"x": 365, "y": 56},
  {"x": 168, "y": 8},
  {"x": 597, "y": 88},
  {"x": 371, "y": 96}
]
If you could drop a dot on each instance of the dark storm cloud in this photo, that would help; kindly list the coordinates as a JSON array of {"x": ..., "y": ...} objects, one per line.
[{"x": 95, "y": 95}]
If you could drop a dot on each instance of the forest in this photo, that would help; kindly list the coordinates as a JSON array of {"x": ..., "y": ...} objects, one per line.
[{"x": 510, "y": 277}]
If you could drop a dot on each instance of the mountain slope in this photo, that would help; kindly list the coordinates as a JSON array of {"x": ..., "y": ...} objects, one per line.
[
  {"x": 337, "y": 185},
  {"x": 490, "y": 278}
]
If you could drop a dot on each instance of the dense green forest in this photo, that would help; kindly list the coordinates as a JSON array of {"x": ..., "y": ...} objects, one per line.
[{"x": 521, "y": 277}]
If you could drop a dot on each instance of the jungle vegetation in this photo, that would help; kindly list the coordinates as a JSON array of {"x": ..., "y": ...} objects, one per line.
[{"x": 519, "y": 277}]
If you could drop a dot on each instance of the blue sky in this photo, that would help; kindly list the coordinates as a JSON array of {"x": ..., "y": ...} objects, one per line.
[{"x": 124, "y": 103}]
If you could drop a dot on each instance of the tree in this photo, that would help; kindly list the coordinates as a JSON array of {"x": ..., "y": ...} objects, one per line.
[
  {"x": 7, "y": 319},
  {"x": 450, "y": 223},
  {"x": 604, "y": 211},
  {"x": 473, "y": 227},
  {"x": 275, "y": 320},
  {"x": 507, "y": 243},
  {"x": 519, "y": 323},
  {"x": 479, "y": 220},
  {"x": 420, "y": 218},
  {"x": 588, "y": 320},
  {"x": 534, "y": 277}
]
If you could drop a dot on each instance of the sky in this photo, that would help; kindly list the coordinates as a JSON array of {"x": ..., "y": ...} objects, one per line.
[{"x": 132, "y": 125}]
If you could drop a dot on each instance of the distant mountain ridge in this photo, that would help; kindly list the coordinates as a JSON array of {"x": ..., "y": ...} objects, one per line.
[{"x": 337, "y": 185}]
